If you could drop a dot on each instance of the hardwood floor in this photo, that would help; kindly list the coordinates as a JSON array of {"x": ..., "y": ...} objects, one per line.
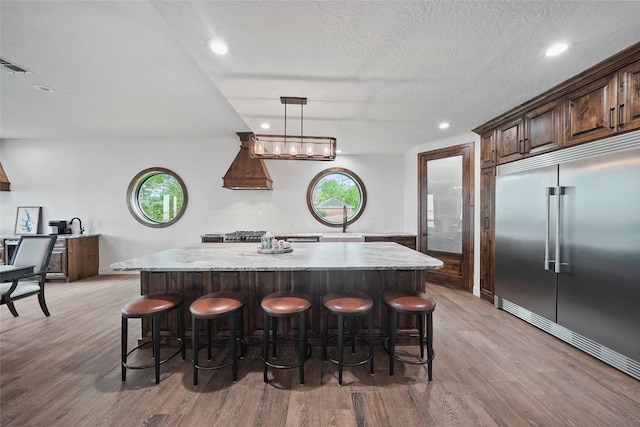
[{"x": 491, "y": 369}]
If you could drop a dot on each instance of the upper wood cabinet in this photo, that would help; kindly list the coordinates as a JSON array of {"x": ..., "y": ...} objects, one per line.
[
  {"x": 629, "y": 97},
  {"x": 543, "y": 128},
  {"x": 591, "y": 111},
  {"x": 488, "y": 149},
  {"x": 539, "y": 130}
]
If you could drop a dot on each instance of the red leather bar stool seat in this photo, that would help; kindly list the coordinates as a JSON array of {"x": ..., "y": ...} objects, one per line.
[
  {"x": 218, "y": 305},
  {"x": 152, "y": 306},
  {"x": 350, "y": 305},
  {"x": 285, "y": 305},
  {"x": 416, "y": 303}
]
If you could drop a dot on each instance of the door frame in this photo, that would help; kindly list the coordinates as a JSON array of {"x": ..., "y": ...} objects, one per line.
[{"x": 458, "y": 269}]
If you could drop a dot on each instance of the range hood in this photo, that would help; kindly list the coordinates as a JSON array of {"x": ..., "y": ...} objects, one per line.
[
  {"x": 4, "y": 181},
  {"x": 246, "y": 173}
]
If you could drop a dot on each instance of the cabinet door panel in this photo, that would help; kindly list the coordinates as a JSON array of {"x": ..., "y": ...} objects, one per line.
[
  {"x": 629, "y": 97},
  {"x": 509, "y": 139},
  {"x": 487, "y": 149},
  {"x": 591, "y": 111},
  {"x": 544, "y": 128}
]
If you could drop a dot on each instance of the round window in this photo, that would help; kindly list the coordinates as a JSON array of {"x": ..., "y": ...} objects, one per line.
[
  {"x": 336, "y": 197},
  {"x": 157, "y": 197}
]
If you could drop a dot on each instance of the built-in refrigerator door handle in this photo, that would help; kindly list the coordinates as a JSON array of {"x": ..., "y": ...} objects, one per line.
[
  {"x": 558, "y": 191},
  {"x": 550, "y": 191}
]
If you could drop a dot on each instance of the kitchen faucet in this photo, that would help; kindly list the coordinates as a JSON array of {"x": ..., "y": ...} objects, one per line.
[
  {"x": 344, "y": 218},
  {"x": 79, "y": 221}
]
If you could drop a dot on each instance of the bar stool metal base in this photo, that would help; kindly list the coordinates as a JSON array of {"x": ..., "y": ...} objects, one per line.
[
  {"x": 417, "y": 304},
  {"x": 285, "y": 305},
  {"x": 340, "y": 338},
  {"x": 218, "y": 305},
  {"x": 152, "y": 306}
]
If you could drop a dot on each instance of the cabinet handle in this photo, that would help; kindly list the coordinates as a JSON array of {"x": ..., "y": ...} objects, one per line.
[
  {"x": 611, "y": 110},
  {"x": 486, "y": 222},
  {"x": 620, "y": 117},
  {"x": 521, "y": 146}
]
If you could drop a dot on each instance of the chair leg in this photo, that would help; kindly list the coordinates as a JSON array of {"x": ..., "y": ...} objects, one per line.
[
  {"x": 12, "y": 309},
  {"x": 274, "y": 329},
  {"x": 430, "y": 345},
  {"x": 181, "y": 330},
  {"x": 393, "y": 321},
  {"x": 241, "y": 331},
  {"x": 234, "y": 352},
  {"x": 265, "y": 344},
  {"x": 208, "y": 339},
  {"x": 341, "y": 346},
  {"x": 421, "y": 334},
  {"x": 124, "y": 347},
  {"x": 43, "y": 303},
  {"x": 195, "y": 339},
  {"x": 302, "y": 335},
  {"x": 155, "y": 337}
]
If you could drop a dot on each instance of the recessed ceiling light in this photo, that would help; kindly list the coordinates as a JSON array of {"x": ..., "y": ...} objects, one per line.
[
  {"x": 218, "y": 47},
  {"x": 557, "y": 49},
  {"x": 43, "y": 88},
  {"x": 444, "y": 125},
  {"x": 265, "y": 125}
]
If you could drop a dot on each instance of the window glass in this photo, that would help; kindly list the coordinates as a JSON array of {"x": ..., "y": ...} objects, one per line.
[
  {"x": 157, "y": 197},
  {"x": 444, "y": 204},
  {"x": 336, "y": 197}
]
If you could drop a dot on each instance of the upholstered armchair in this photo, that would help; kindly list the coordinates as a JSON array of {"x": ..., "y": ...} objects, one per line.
[{"x": 31, "y": 250}]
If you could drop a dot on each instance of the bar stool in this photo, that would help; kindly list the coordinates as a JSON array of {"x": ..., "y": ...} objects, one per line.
[
  {"x": 415, "y": 303},
  {"x": 285, "y": 305},
  {"x": 350, "y": 305},
  {"x": 152, "y": 306},
  {"x": 213, "y": 306}
]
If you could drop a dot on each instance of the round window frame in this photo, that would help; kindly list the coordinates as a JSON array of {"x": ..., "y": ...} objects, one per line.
[
  {"x": 350, "y": 174},
  {"x": 133, "y": 192}
]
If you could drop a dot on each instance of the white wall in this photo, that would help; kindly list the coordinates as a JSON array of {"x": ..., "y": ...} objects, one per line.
[
  {"x": 411, "y": 192},
  {"x": 89, "y": 179}
]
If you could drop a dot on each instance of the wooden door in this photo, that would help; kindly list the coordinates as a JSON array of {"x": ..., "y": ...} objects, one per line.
[
  {"x": 445, "y": 220},
  {"x": 487, "y": 206}
]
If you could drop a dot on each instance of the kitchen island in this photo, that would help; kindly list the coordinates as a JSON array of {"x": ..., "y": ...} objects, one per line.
[{"x": 314, "y": 268}]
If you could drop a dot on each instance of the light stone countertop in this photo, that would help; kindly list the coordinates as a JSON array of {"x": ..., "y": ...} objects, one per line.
[{"x": 305, "y": 256}]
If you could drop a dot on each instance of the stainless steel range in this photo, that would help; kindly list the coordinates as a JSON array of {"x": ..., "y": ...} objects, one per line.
[{"x": 243, "y": 237}]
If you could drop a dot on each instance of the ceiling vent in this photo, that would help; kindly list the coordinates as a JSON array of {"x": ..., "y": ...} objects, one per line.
[
  {"x": 9, "y": 67},
  {"x": 246, "y": 173}
]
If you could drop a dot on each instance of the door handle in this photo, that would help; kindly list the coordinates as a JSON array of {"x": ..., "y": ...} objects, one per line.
[
  {"x": 549, "y": 191},
  {"x": 559, "y": 191}
]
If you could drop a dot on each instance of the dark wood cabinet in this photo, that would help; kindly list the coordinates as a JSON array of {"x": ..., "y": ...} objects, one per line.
[
  {"x": 629, "y": 98},
  {"x": 488, "y": 149},
  {"x": 408, "y": 241},
  {"x": 543, "y": 129},
  {"x": 591, "y": 111},
  {"x": 510, "y": 141},
  {"x": 487, "y": 232}
]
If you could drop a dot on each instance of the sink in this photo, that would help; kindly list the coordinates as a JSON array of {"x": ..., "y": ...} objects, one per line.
[{"x": 342, "y": 237}]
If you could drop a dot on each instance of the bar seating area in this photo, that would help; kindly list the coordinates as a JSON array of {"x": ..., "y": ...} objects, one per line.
[{"x": 292, "y": 306}]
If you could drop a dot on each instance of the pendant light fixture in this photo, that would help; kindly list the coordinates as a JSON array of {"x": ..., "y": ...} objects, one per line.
[{"x": 292, "y": 147}]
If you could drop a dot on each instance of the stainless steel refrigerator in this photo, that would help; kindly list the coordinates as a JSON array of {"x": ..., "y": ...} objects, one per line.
[{"x": 568, "y": 246}]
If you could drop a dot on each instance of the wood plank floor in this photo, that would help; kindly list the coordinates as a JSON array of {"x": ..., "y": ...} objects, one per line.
[{"x": 491, "y": 369}]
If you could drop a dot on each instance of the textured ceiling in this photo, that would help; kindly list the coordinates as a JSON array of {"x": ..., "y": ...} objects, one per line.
[{"x": 379, "y": 76}]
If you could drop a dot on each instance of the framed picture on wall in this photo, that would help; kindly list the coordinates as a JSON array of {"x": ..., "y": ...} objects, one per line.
[{"x": 28, "y": 220}]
